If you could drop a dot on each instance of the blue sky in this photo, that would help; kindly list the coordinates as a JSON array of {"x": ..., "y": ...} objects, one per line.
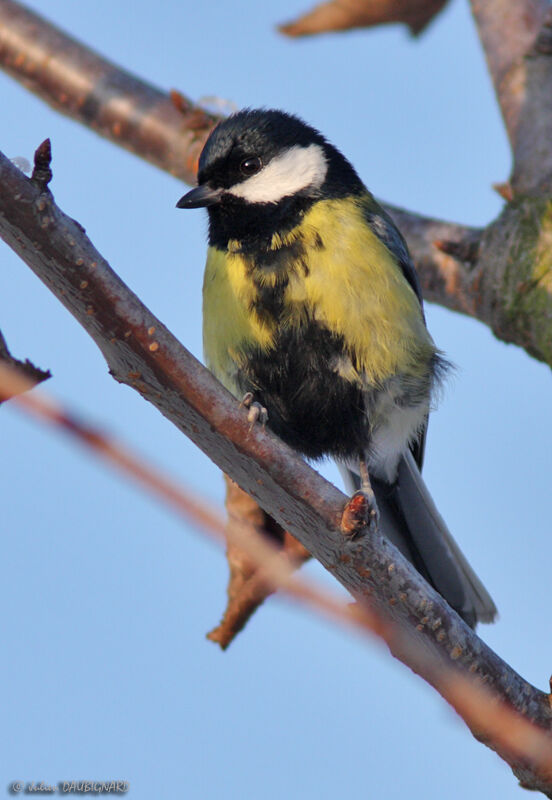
[{"x": 106, "y": 596}]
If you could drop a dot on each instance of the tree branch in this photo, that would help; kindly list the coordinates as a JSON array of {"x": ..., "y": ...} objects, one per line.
[
  {"x": 33, "y": 374},
  {"x": 166, "y": 130},
  {"x": 341, "y": 15},
  {"x": 500, "y": 275},
  {"x": 445, "y": 255},
  {"x": 247, "y": 585},
  {"x": 142, "y": 353},
  {"x": 517, "y": 38}
]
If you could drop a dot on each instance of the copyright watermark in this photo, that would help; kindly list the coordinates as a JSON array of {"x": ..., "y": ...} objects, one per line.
[{"x": 68, "y": 787}]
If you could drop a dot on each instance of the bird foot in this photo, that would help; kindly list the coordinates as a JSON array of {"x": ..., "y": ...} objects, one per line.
[
  {"x": 256, "y": 413},
  {"x": 360, "y": 515}
]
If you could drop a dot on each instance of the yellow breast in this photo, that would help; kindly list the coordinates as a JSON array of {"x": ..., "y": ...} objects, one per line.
[{"x": 340, "y": 274}]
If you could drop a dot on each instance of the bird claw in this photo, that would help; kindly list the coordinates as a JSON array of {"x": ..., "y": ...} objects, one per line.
[
  {"x": 247, "y": 399},
  {"x": 256, "y": 412},
  {"x": 360, "y": 515}
]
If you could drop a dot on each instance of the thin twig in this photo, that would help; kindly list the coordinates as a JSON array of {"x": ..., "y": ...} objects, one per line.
[
  {"x": 247, "y": 589},
  {"x": 337, "y": 15},
  {"x": 34, "y": 375}
]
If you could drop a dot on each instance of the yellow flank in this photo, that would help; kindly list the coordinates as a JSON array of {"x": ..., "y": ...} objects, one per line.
[
  {"x": 228, "y": 323},
  {"x": 352, "y": 285}
]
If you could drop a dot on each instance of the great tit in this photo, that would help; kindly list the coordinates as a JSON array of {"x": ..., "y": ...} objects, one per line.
[{"x": 312, "y": 307}]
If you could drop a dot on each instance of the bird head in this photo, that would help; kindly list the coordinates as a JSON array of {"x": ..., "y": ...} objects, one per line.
[{"x": 261, "y": 166}]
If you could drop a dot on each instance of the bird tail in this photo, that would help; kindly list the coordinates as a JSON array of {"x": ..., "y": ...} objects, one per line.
[{"x": 409, "y": 518}]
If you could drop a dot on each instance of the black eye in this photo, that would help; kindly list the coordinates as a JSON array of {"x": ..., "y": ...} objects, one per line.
[{"x": 250, "y": 166}]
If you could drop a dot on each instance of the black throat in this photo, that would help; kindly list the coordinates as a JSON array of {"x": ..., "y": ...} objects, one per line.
[{"x": 254, "y": 224}]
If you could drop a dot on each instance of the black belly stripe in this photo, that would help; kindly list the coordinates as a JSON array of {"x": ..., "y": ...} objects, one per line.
[{"x": 309, "y": 405}]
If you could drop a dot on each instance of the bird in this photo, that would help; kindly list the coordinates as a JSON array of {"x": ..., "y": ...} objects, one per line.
[{"x": 313, "y": 315}]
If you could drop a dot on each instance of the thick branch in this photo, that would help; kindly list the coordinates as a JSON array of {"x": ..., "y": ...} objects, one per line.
[
  {"x": 517, "y": 39},
  {"x": 142, "y": 353},
  {"x": 167, "y": 130}
]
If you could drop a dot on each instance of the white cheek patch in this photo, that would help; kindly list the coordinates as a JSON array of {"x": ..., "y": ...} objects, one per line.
[{"x": 288, "y": 173}]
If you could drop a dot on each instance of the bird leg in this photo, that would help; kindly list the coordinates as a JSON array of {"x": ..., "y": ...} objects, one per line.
[
  {"x": 365, "y": 482},
  {"x": 257, "y": 412},
  {"x": 361, "y": 511}
]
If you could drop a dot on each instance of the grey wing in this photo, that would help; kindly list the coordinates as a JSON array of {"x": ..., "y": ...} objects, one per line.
[{"x": 385, "y": 229}]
